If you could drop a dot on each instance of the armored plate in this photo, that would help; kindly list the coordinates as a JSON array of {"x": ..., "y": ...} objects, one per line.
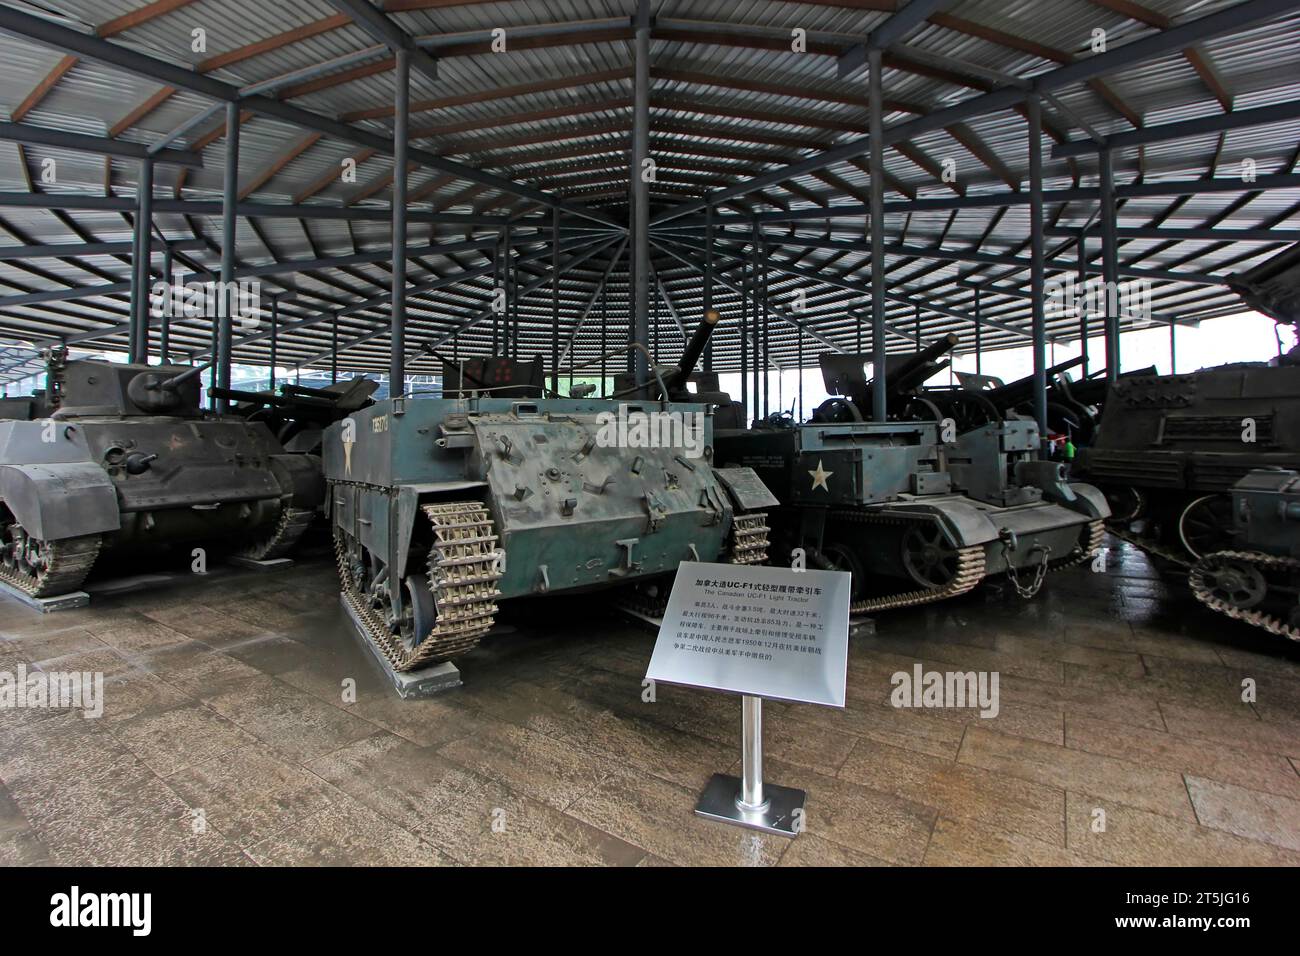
[{"x": 746, "y": 488}]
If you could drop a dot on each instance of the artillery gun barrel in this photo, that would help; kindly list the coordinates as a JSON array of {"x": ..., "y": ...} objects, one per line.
[
  {"x": 311, "y": 392},
  {"x": 261, "y": 398},
  {"x": 898, "y": 378},
  {"x": 1022, "y": 388},
  {"x": 676, "y": 378}
]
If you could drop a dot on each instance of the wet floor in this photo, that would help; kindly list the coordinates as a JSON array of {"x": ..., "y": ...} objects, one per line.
[{"x": 243, "y": 724}]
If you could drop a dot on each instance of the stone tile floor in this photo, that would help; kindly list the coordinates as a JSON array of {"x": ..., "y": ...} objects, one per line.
[{"x": 227, "y": 738}]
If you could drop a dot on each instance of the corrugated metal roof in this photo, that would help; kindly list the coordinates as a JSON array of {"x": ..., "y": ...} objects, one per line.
[{"x": 730, "y": 100}]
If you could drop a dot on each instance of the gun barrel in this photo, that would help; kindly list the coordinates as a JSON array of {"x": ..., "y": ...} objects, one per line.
[
  {"x": 311, "y": 392},
  {"x": 695, "y": 347},
  {"x": 264, "y": 398},
  {"x": 899, "y": 377},
  {"x": 184, "y": 376}
]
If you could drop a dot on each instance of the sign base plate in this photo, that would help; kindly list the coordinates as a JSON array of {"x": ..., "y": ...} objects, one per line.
[{"x": 718, "y": 802}]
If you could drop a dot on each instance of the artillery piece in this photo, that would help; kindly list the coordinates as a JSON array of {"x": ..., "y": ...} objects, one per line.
[
  {"x": 128, "y": 461},
  {"x": 904, "y": 500},
  {"x": 444, "y": 507},
  {"x": 683, "y": 383},
  {"x": 299, "y": 414}
]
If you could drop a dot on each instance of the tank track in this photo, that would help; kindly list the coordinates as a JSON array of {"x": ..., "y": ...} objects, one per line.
[
  {"x": 67, "y": 562},
  {"x": 970, "y": 566},
  {"x": 289, "y": 527},
  {"x": 1264, "y": 563},
  {"x": 1096, "y": 534},
  {"x": 749, "y": 542},
  {"x": 462, "y": 578}
]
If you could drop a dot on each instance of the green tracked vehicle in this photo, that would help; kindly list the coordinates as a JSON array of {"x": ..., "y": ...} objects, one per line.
[
  {"x": 914, "y": 509},
  {"x": 443, "y": 507}
]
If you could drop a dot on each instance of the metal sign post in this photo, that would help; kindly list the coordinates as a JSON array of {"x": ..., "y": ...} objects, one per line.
[
  {"x": 745, "y": 800},
  {"x": 759, "y": 632}
]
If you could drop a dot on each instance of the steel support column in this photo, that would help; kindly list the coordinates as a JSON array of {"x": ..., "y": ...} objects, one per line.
[
  {"x": 754, "y": 296},
  {"x": 876, "y": 171},
  {"x": 1037, "y": 268},
  {"x": 229, "y": 196},
  {"x": 708, "y": 279},
  {"x": 164, "y": 335},
  {"x": 744, "y": 353},
  {"x": 401, "y": 126},
  {"x": 979, "y": 346},
  {"x": 1082, "y": 280},
  {"x": 505, "y": 272},
  {"x": 1109, "y": 263},
  {"x": 275, "y": 336},
  {"x": 555, "y": 302},
  {"x": 138, "y": 349},
  {"x": 641, "y": 190}
]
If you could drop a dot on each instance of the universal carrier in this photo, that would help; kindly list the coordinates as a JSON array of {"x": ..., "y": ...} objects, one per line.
[
  {"x": 894, "y": 502},
  {"x": 443, "y": 507}
]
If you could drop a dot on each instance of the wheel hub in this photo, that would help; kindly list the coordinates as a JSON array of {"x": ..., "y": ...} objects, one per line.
[{"x": 1236, "y": 584}]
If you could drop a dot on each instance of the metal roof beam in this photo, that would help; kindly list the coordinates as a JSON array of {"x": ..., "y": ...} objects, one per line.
[
  {"x": 985, "y": 258},
  {"x": 123, "y": 58},
  {"x": 1185, "y": 235},
  {"x": 61, "y": 139},
  {"x": 886, "y": 35},
  {"x": 377, "y": 24},
  {"x": 1117, "y": 58},
  {"x": 1220, "y": 122},
  {"x": 60, "y": 249}
]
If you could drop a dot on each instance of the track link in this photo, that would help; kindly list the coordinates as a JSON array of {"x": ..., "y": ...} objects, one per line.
[
  {"x": 749, "y": 542},
  {"x": 66, "y": 562},
  {"x": 462, "y": 577},
  {"x": 1265, "y": 564},
  {"x": 970, "y": 567},
  {"x": 289, "y": 527}
]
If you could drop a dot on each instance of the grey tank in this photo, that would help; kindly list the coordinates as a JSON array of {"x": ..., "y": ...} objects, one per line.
[{"x": 126, "y": 462}]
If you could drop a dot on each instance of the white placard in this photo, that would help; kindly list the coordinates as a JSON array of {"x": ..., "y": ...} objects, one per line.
[{"x": 748, "y": 629}]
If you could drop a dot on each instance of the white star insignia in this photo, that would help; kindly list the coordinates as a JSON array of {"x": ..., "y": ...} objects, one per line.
[{"x": 819, "y": 477}]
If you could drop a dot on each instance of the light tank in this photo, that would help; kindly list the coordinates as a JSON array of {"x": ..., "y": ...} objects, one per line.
[{"x": 127, "y": 461}]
